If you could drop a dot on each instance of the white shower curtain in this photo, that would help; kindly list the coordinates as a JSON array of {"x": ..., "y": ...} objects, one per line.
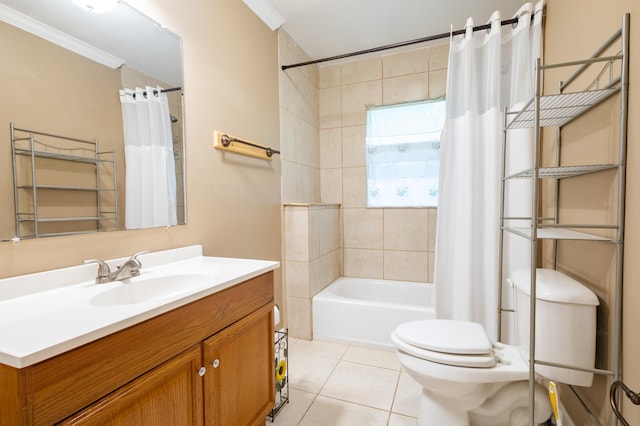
[
  {"x": 150, "y": 188},
  {"x": 488, "y": 71}
]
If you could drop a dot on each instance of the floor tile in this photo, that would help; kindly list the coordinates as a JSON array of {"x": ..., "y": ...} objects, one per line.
[
  {"x": 309, "y": 372},
  {"x": 292, "y": 412},
  {"x": 375, "y": 357},
  {"x": 328, "y": 411},
  {"x": 407, "y": 399},
  {"x": 362, "y": 384},
  {"x": 320, "y": 348},
  {"x": 400, "y": 420},
  {"x": 335, "y": 384}
]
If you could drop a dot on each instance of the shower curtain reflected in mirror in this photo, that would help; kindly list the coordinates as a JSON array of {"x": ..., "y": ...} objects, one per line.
[
  {"x": 488, "y": 71},
  {"x": 150, "y": 187}
]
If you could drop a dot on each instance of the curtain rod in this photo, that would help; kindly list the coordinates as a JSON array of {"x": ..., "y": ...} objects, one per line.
[
  {"x": 400, "y": 44},
  {"x": 155, "y": 92}
]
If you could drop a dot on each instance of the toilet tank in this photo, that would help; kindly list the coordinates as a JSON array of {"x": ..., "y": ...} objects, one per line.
[{"x": 565, "y": 324}]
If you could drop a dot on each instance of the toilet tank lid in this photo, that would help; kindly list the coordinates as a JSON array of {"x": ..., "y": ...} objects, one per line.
[{"x": 554, "y": 286}]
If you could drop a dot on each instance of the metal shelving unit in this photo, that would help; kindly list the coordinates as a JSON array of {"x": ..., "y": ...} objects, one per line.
[
  {"x": 558, "y": 110},
  {"x": 27, "y": 148}
]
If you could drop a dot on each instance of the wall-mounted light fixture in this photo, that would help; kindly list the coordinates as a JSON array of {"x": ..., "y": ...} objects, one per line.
[{"x": 97, "y": 6}]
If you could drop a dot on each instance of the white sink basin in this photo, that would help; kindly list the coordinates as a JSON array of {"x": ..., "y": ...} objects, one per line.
[{"x": 143, "y": 289}]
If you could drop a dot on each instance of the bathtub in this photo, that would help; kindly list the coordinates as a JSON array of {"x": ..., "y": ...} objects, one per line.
[{"x": 365, "y": 311}]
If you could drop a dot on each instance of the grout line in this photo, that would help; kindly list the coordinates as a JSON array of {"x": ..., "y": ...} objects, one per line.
[{"x": 339, "y": 360}]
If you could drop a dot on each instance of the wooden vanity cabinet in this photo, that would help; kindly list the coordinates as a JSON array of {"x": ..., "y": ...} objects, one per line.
[
  {"x": 236, "y": 389},
  {"x": 151, "y": 372},
  {"x": 170, "y": 394}
]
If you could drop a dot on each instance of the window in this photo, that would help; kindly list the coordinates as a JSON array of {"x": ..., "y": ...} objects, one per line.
[{"x": 403, "y": 154}]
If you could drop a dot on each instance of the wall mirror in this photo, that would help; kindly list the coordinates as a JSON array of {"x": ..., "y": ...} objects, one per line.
[{"x": 73, "y": 81}]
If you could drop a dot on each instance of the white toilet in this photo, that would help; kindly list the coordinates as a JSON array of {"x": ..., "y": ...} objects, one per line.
[{"x": 468, "y": 380}]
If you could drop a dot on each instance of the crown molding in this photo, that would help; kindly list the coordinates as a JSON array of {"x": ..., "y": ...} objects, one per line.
[
  {"x": 265, "y": 11},
  {"x": 58, "y": 37}
]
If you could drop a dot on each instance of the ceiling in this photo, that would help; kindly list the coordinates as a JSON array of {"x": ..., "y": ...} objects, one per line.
[
  {"x": 324, "y": 28},
  {"x": 124, "y": 33}
]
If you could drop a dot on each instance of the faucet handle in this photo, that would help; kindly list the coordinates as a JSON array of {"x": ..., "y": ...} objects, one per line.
[
  {"x": 103, "y": 270},
  {"x": 134, "y": 257}
]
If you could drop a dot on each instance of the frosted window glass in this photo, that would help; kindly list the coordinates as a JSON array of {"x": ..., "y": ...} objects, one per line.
[{"x": 403, "y": 154}]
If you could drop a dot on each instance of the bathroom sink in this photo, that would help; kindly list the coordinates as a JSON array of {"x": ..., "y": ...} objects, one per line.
[{"x": 144, "y": 289}]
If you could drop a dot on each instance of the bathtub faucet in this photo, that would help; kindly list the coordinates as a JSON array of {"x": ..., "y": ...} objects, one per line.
[{"x": 130, "y": 268}]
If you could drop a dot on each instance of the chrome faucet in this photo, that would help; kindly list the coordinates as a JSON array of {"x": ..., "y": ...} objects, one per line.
[{"x": 130, "y": 268}]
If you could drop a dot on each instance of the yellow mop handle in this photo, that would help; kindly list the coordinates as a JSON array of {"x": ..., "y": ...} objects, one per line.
[{"x": 553, "y": 396}]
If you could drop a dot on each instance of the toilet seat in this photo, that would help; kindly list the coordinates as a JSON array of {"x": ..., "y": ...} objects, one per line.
[{"x": 450, "y": 342}]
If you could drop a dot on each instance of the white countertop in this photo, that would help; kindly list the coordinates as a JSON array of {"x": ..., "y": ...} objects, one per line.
[{"x": 45, "y": 314}]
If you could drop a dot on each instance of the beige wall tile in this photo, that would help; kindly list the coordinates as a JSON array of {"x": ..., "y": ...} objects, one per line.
[
  {"x": 307, "y": 146},
  {"x": 331, "y": 185},
  {"x": 433, "y": 214},
  {"x": 330, "y": 76},
  {"x": 355, "y": 98},
  {"x": 331, "y": 148},
  {"x": 354, "y": 187},
  {"x": 330, "y": 111},
  {"x": 432, "y": 260},
  {"x": 297, "y": 278},
  {"x": 362, "y": 70},
  {"x": 439, "y": 57},
  {"x": 329, "y": 270},
  {"x": 299, "y": 95},
  {"x": 299, "y": 314},
  {"x": 363, "y": 228},
  {"x": 437, "y": 84},
  {"x": 289, "y": 194},
  {"x": 296, "y": 235},
  {"x": 406, "y": 265},
  {"x": 407, "y": 88},
  {"x": 353, "y": 146},
  {"x": 406, "y": 229},
  {"x": 314, "y": 234},
  {"x": 363, "y": 263},
  {"x": 331, "y": 267},
  {"x": 404, "y": 63},
  {"x": 307, "y": 184},
  {"x": 329, "y": 225},
  {"x": 315, "y": 282},
  {"x": 287, "y": 135}
]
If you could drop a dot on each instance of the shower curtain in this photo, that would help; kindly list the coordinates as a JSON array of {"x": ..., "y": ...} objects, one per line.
[
  {"x": 488, "y": 71},
  {"x": 150, "y": 183}
]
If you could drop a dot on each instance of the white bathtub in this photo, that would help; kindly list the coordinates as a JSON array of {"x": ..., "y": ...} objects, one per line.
[{"x": 365, "y": 311}]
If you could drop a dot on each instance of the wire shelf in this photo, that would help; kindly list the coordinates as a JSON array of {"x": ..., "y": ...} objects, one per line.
[
  {"x": 559, "y": 109},
  {"x": 562, "y": 171}
]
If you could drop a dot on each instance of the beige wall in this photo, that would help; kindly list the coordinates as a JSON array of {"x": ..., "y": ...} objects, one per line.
[
  {"x": 231, "y": 84},
  {"x": 573, "y": 30},
  {"x": 395, "y": 244}
]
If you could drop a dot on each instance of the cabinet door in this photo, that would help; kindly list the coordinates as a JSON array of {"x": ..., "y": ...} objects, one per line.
[
  {"x": 239, "y": 384},
  {"x": 170, "y": 394}
]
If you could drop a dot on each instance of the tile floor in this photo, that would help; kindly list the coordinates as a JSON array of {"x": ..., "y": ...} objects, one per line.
[{"x": 336, "y": 384}]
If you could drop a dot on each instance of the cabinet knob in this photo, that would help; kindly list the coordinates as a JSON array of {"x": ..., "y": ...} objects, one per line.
[
  {"x": 215, "y": 363},
  {"x": 202, "y": 371}
]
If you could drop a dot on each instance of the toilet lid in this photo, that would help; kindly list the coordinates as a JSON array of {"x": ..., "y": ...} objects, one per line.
[
  {"x": 470, "y": 361},
  {"x": 447, "y": 336}
]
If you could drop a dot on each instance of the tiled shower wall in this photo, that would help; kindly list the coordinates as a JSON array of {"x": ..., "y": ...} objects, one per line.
[
  {"x": 328, "y": 230},
  {"x": 298, "y": 125},
  {"x": 395, "y": 244},
  {"x": 312, "y": 259}
]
